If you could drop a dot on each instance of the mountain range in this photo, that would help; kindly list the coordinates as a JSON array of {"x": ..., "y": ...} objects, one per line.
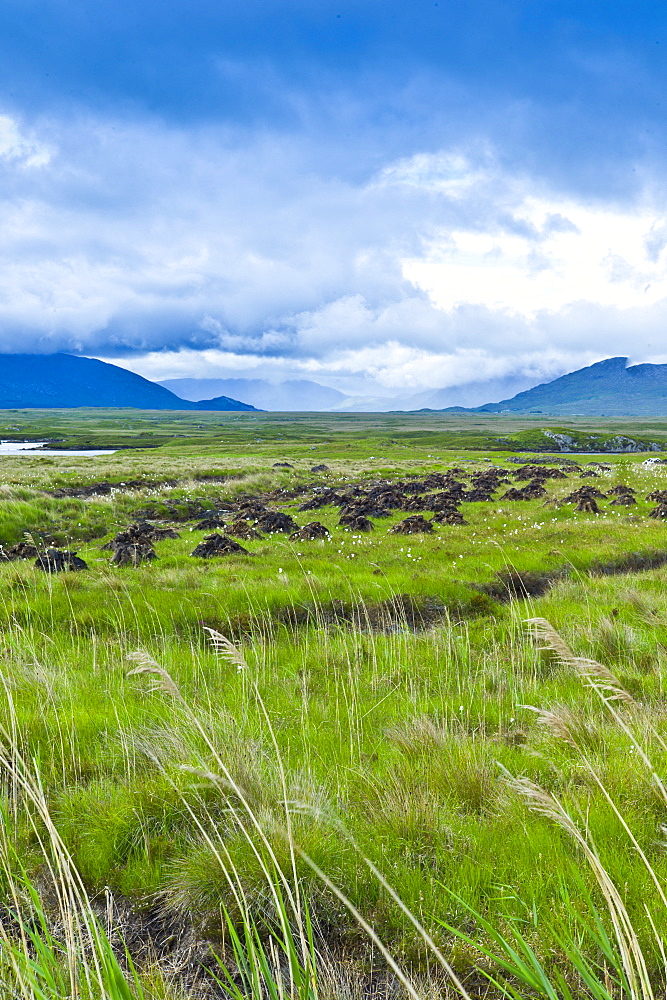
[
  {"x": 63, "y": 380},
  {"x": 606, "y": 389},
  {"x": 303, "y": 395},
  {"x": 294, "y": 394}
]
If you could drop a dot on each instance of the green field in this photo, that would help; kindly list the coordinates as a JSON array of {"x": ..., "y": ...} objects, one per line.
[{"x": 382, "y": 716}]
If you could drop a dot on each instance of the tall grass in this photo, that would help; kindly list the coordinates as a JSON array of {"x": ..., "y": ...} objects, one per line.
[{"x": 600, "y": 943}]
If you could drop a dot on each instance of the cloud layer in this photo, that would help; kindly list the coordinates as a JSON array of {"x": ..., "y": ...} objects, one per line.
[{"x": 181, "y": 251}]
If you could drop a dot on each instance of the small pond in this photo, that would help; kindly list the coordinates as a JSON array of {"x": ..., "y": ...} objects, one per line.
[{"x": 37, "y": 447}]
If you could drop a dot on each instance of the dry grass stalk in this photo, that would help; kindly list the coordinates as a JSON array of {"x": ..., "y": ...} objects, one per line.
[
  {"x": 634, "y": 963},
  {"x": 558, "y": 721},
  {"x": 147, "y": 665},
  {"x": 75, "y": 914},
  {"x": 225, "y": 648},
  {"x": 606, "y": 686},
  {"x": 595, "y": 674},
  {"x": 420, "y": 734},
  {"x": 242, "y": 811}
]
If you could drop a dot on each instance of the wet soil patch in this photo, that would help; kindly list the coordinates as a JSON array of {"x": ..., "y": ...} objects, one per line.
[
  {"x": 630, "y": 562},
  {"x": 186, "y": 953},
  {"x": 399, "y": 613},
  {"x": 513, "y": 584},
  {"x": 147, "y": 936},
  {"x": 105, "y": 487}
]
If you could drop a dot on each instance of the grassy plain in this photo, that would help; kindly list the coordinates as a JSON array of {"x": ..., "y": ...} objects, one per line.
[{"x": 379, "y": 702}]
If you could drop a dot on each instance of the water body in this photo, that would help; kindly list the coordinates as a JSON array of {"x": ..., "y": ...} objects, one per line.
[{"x": 37, "y": 448}]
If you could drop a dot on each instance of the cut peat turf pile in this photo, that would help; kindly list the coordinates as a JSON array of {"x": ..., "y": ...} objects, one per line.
[
  {"x": 589, "y": 506},
  {"x": 449, "y": 516},
  {"x": 412, "y": 526},
  {"x": 533, "y": 491},
  {"x": 22, "y": 550},
  {"x": 274, "y": 520},
  {"x": 621, "y": 490},
  {"x": 310, "y": 532},
  {"x": 242, "y": 529},
  {"x": 135, "y": 545},
  {"x": 547, "y": 460},
  {"x": 210, "y": 524},
  {"x": 105, "y": 487},
  {"x": 133, "y": 553},
  {"x": 538, "y": 472},
  {"x": 218, "y": 545},
  {"x": 59, "y": 561},
  {"x": 141, "y": 531},
  {"x": 585, "y": 498},
  {"x": 623, "y": 499},
  {"x": 356, "y": 522}
]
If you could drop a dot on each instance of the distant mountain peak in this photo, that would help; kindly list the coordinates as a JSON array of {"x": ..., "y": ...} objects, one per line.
[{"x": 606, "y": 388}]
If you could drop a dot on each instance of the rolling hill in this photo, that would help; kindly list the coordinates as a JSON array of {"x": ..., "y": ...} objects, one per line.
[{"x": 63, "y": 380}]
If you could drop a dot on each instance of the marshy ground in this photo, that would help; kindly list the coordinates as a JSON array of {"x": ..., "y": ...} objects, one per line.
[{"x": 381, "y": 693}]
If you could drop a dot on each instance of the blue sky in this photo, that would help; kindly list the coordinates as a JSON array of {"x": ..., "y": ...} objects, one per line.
[{"x": 381, "y": 196}]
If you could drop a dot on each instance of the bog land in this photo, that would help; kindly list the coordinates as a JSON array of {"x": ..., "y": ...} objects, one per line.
[{"x": 273, "y": 717}]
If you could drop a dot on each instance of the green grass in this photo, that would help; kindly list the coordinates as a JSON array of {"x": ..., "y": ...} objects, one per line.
[{"x": 390, "y": 745}]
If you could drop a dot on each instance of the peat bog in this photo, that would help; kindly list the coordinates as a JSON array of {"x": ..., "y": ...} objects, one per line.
[{"x": 272, "y": 646}]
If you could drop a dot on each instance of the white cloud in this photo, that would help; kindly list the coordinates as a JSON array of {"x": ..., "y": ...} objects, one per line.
[
  {"x": 211, "y": 253},
  {"x": 606, "y": 256},
  {"x": 19, "y": 147}
]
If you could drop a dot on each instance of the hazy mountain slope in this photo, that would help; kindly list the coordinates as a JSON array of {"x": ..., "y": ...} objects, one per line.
[
  {"x": 295, "y": 394},
  {"x": 471, "y": 393},
  {"x": 62, "y": 380},
  {"x": 468, "y": 394},
  {"x": 607, "y": 388}
]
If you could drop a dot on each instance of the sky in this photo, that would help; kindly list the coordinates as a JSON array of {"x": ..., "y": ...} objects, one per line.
[{"x": 384, "y": 196}]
